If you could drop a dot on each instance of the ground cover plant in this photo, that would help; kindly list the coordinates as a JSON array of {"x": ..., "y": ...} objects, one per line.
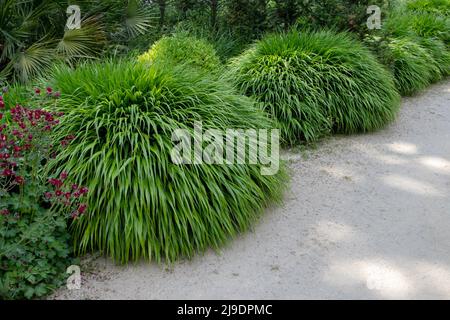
[
  {"x": 34, "y": 208},
  {"x": 314, "y": 83},
  {"x": 142, "y": 204}
]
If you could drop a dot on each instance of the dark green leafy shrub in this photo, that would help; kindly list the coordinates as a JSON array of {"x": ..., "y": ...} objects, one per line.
[
  {"x": 34, "y": 253},
  {"x": 313, "y": 83},
  {"x": 344, "y": 15},
  {"x": 142, "y": 204},
  {"x": 182, "y": 48}
]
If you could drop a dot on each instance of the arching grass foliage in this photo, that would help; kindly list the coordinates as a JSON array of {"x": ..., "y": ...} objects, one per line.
[
  {"x": 315, "y": 83},
  {"x": 141, "y": 204}
]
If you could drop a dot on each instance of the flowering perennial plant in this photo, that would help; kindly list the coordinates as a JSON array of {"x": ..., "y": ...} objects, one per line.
[{"x": 34, "y": 208}]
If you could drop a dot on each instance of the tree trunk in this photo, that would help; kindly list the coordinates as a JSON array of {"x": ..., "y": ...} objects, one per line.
[
  {"x": 162, "y": 12},
  {"x": 214, "y": 6}
]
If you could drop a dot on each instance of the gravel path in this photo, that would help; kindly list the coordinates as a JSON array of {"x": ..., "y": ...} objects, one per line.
[{"x": 366, "y": 217}]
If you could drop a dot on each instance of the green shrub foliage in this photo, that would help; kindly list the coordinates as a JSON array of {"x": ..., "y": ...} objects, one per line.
[
  {"x": 313, "y": 83},
  {"x": 141, "y": 205}
]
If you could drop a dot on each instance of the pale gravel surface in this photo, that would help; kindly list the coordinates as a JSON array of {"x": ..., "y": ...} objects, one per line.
[{"x": 367, "y": 216}]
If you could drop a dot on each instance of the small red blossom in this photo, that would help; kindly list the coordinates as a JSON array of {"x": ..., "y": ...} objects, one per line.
[
  {"x": 84, "y": 190},
  {"x": 56, "y": 182},
  {"x": 19, "y": 180},
  {"x": 63, "y": 175},
  {"x": 82, "y": 208},
  {"x": 7, "y": 172}
]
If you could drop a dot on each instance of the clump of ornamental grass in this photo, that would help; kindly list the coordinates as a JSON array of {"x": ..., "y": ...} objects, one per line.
[
  {"x": 414, "y": 45},
  {"x": 404, "y": 23},
  {"x": 315, "y": 83},
  {"x": 413, "y": 66},
  {"x": 431, "y": 6},
  {"x": 429, "y": 25},
  {"x": 142, "y": 204},
  {"x": 181, "y": 48},
  {"x": 437, "y": 49}
]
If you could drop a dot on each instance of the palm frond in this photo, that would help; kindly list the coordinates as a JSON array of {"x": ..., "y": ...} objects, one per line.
[
  {"x": 33, "y": 61},
  {"x": 85, "y": 42}
]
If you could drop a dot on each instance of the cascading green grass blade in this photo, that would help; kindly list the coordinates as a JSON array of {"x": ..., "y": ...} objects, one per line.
[
  {"x": 316, "y": 83},
  {"x": 141, "y": 205}
]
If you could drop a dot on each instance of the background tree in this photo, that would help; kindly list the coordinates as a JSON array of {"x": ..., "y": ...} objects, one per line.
[{"x": 33, "y": 33}]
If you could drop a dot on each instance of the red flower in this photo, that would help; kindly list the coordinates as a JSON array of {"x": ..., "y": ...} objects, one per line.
[
  {"x": 48, "y": 195},
  {"x": 7, "y": 172},
  {"x": 2, "y": 104},
  {"x": 4, "y": 212},
  {"x": 19, "y": 180},
  {"x": 58, "y": 193},
  {"x": 55, "y": 182},
  {"x": 82, "y": 208},
  {"x": 63, "y": 175},
  {"x": 84, "y": 190},
  {"x": 49, "y": 90},
  {"x": 37, "y": 91}
]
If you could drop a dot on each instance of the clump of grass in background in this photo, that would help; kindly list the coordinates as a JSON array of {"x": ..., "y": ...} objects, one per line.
[
  {"x": 226, "y": 43},
  {"x": 429, "y": 25},
  {"x": 183, "y": 48},
  {"x": 314, "y": 83},
  {"x": 432, "y": 6},
  {"x": 141, "y": 205},
  {"x": 440, "y": 54},
  {"x": 414, "y": 45},
  {"x": 412, "y": 66}
]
